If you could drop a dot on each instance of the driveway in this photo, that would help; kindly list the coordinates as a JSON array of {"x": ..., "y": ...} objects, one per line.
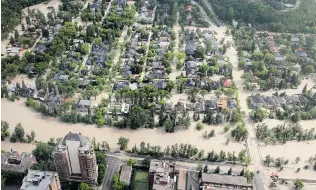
[{"x": 113, "y": 168}]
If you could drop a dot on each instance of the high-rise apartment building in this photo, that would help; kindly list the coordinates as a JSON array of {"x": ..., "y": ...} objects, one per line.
[{"x": 75, "y": 159}]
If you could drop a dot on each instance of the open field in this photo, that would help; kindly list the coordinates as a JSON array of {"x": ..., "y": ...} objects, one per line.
[{"x": 140, "y": 180}]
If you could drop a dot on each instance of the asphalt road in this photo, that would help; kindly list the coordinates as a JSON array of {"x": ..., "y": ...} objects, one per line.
[{"x": 113, "y": 168}]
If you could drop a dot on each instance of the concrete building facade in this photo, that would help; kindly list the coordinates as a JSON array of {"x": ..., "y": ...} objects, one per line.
[{"x": 75, "y": 159}]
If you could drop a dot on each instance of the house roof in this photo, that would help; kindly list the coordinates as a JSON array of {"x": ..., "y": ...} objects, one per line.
[
  {"x": 301, "y": 52},
  {"x": 227, "y": 83},
  {"x": 210, "y": 104},
  {"x": 133, "y": 86},
  {"x": 84, "y": 102},
  {"x": 221, "y": 103},
  {"x": 25, "y": 160},
  {"x": 160, "y": 84}
]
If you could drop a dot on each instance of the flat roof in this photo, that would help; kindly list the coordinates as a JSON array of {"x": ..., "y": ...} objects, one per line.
[
  {"x": 225, "y": 179},
  {"x": 126, "y": 173},
  {"x": 37, "y": 180}
]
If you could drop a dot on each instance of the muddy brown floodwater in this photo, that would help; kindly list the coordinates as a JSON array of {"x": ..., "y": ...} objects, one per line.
[{"x": 16, "y": 112}]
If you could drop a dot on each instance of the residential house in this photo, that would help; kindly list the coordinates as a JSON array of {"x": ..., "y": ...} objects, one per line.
[
  {"x": 190, "y": 68},
  {"x": 120, "y": 85},
  {"x": 189, "y": 83},
  {"x": 40, "y": 48},
  {"x": 295, "y": 40},
  {"x": 13, "y": 50},
  {"x": 160, "y": 84},
  {"x": 221, "y": 103},
  {"x": 232, "y": 104},
  {"x": 257, "y": 101},
  {"x": 302, "y": 55},
  {"x": 163, "y": 45},
  {"x": 84, "y": 105},
  {"x": 210, "y": 104},
  {"x": 15, "y": 162},
  {"x": 227, "y": 83},
  {"x": 168, "y": 107},
  {"x": 61, "y": 76}
]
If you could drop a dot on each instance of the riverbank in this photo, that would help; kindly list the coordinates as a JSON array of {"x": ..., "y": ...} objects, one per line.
[{"x": 16, "y": 112}]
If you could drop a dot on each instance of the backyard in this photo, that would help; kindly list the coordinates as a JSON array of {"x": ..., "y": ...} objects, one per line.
[{"x": 140, "y": 180}]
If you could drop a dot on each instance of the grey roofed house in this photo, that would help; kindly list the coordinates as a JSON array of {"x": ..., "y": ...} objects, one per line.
[
  {"x": 158, "y": 107},
  {"x": 13, "y": 161},
  {"x": 126, "y": 173},
  {"x": 295, "y": 99},
  {"x": 227, "y": 180},
  {"x": 60, "y": 76},
  {"x": 269, "y": 102},
  {"x": 281, "y": 100},
  {"x": 208, "y": 37},
  {"x": 84, "y": 105},
  {"x": 301, "y": 53},
  {"x": 157, "y": 65},
  {"x": 133, "y": 86},
  {"x": 231, "y": 104},
  {"x": 295, "y": 39},
  {"x": 84, "y": 82},
  {"x": 40, "y": 180},
  {"x": 210, "y": 104},
  {"x": 190, "y": 68},
  {"x": 127, "y": 73},
  {"x": 190, "y": 64},
  {"x": 189, "y": 83},
  {"x": 288, "y": 100},
  {"x": 160, "y": 84},
  {"x": 276, "y": 100},
  {"x": 203, "y": 83},
  {"x": 168, "y": 107},
  {"x": 40, "y": 48},
  {"x": 119, "y": 85},
  {"x": 258, "y": 101},
  {"x": 75, "y": 137},
  {"x": 26, "y": 92},
  {"x": 190, "y": 47}
]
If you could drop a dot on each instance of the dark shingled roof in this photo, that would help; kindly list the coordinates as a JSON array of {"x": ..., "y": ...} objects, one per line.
[{"x": 75, "y": 137}]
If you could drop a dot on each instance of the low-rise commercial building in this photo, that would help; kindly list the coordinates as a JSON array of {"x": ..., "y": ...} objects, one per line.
[{"x": 41, "y": 180}]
